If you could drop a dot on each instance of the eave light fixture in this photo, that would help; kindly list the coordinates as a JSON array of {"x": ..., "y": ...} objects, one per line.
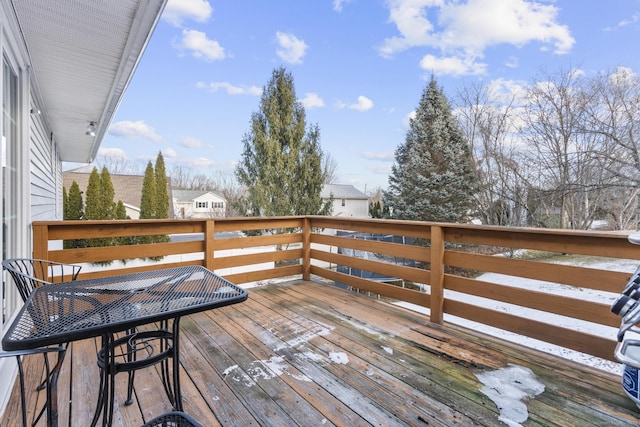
[{"x": 91, "y": 129}]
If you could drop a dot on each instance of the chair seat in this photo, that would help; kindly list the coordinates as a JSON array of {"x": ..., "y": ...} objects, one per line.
[{"x": 172, "y": 419}]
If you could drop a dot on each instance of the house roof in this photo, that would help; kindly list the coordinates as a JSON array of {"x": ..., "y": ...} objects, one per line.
[
  {"x": 190, "y": 195},
  {"x": 342, "y": 191},
  {"x": 127, "y": 188},
  {"x": 83, "y": 54}
]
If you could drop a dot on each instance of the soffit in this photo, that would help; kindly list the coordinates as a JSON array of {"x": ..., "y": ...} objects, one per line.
[{"x": 83, "y": 54}]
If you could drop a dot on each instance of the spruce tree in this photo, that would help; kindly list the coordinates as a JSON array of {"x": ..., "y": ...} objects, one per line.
[
  {"x": 281, "y": 164},
  {"x": 433, "y": 178}
]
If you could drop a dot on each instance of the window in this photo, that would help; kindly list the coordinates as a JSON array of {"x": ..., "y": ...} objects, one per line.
[
  {"x": 344, "y": 202},
  {"x": 202, "y": 205}
]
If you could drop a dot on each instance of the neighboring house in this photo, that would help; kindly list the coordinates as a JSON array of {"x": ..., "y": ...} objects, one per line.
[
  {"x": 127, "y": 188},
  {"x": 65, "y": 67},
  {"x": 347, "y": 200},
  {"x": 198, "y": 204}
]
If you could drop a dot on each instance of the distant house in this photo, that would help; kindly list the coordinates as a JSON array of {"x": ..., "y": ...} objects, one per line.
[
  {"x": 198, "y": 204},
  {"x": 347, "y": 200},
  {"x": 127, "y": 188}
]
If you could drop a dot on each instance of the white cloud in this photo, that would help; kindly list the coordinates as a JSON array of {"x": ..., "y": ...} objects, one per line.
[
  {"x": 291, "y": 49},
  {"x": 312, "y": 100},
  {"x": 512, "y": 62},
  {"x": 337, "y": 4},
  {"x": 200, "y": 46},
  {"x": 131, "y": 130},
  {"x": 385, "y": 157},
  {"x": 177, "y": 11},
  {"x": 507, "y": 92},
  {"x": 634, "y": 19},
  {"x": 464, "y": 30},
  {"x": 190, "y": 142},
  {"x": 231, "y": 89},
  {"x": 363, "y": 104},
  {"x": 407, "y": 119},
  {"x": 452, "y": 65},
  {"x": 169, "y": 153},
  {"x": 112, "y": 153}
]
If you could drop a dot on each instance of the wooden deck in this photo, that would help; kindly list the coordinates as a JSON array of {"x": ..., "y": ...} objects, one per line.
[{"x": 310, "y": 354}]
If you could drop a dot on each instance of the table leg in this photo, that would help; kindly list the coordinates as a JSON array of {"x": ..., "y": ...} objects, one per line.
[
  {"x": 177, "y": 393},
  {"x": 52, "y": 390}
]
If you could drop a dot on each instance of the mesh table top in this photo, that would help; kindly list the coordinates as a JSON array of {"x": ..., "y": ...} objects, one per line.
[{"x": 82, "y": 309}]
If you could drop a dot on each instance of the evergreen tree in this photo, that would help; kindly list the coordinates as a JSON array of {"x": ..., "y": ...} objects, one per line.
[
  {"x": 281, "y": 164},
  {"x": 92, "y": 200},
  {"x": 107, "y": 194},
  {"x": 433, "y": 177},
  {"x": 148, "y": 199},
  {"x": 162, "y": 197},
  {"x": 73, "y": 210}
]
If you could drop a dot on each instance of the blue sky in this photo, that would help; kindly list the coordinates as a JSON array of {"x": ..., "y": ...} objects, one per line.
[{"x": 359, "y": 68}]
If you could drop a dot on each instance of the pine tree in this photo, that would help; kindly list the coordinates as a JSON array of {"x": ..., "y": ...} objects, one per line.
[
  {"x": 433, "y": 177},
  {"x": 281, "y": 164}
]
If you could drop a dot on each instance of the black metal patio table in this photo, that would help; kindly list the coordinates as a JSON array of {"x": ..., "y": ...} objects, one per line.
[{"x": 73, "y": 311}]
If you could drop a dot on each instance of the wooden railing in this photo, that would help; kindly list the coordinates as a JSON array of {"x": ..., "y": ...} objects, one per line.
[{"x": 441, "y": 263}]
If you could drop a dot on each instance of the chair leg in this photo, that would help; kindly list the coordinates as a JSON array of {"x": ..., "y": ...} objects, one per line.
[{"x": 22, "y": 397}]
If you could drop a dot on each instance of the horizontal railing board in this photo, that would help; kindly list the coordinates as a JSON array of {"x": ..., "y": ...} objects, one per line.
[
  {"x": 375, "y": 226},
  {"x": 418, "y": 253},
  {"x": 106, "y": 253},
  {"x": 390, "y": 270},
  {"x": 396, "y": 292},
  {"x": 579, "y": 341},
  {"x": 607, "y": 245},
  {"x": 257, "y": 258},
  {"x": 576, "y": 308},
  {"x": 583, "y": 277},
  {"x": 255, "y": 241},
  {"x": 256, "y": 276}
]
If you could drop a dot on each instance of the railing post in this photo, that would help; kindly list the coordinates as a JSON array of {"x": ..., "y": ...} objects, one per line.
[
  {"x": 437, "y": 274},
  {"x": 209, "y": 229},
  {"x": 306, "y": 249},
  {"x": 40, "y": 241}
]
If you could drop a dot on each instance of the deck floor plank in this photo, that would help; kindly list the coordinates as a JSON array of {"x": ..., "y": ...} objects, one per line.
[{"x": 305, "y": 353}]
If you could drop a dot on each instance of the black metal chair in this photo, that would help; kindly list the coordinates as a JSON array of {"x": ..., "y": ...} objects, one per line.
[
  {"x": 172, "y": 419},
  {"x": 30, "y": 273},
  {"x": 47, "y": 381}
]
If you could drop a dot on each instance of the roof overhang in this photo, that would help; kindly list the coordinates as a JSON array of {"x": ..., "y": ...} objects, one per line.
[{"x": 83, "y": 55}]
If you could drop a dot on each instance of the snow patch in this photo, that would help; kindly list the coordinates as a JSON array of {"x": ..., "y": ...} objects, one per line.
[
  {"x": 389, "y": 350},
  {"x": 339, "y": 357},
  {"x": 508, "y": 387}
]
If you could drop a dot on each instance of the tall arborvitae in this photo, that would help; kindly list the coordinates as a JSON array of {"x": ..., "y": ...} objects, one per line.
[
  {"x": 281, "y": 165},
  {"x": 433, "y": 178},
  {"x": 73, "y": 210},
  {"x": 162, "y": 196},
  {"x": 149, "y": 190}
]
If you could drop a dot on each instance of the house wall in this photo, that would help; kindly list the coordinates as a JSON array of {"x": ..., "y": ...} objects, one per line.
[
  {"x": 352, "y": 207},
  {"x": 185, "y": 210},
  {"x": 31, "y": 170}
]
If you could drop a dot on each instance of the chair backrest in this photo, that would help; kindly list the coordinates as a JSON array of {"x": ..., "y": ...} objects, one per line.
[{"x": 29, "y": 273}]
